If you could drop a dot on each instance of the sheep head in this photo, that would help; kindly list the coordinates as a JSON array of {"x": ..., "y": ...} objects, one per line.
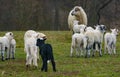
[
  {"x": 115, "y": 31},
  {"x": 9, "y": 35},
  {"x": 41, "y": 35}
]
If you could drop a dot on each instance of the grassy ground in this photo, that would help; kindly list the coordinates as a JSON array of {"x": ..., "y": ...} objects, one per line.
[{"x": 105, "y": 66}]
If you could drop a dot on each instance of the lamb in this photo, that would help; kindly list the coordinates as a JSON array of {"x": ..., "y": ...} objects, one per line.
[
  {"x": 95, "y": 37},
  {"x": 28, "y": 34},
  {"x": 31, "y": 50},
  {"x": 110, "y": 41},
  {"x": 89, "y": 35},
  {"x": 77, "y": 27},
  {"x": 78, "y": 40},
  {"x": 46, "y": 53},
  {"x": 5, "y": 44},
  {"x": 12, "y": 48},
  {"x": 88, "y": 28},
  {"x": 98, "y": 38}
]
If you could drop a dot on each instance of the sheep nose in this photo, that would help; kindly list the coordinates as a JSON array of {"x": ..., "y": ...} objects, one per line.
[{"x": 72, "y": 13}]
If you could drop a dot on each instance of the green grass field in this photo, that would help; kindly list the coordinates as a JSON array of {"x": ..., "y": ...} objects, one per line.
[{"x": 105, "y": 66}]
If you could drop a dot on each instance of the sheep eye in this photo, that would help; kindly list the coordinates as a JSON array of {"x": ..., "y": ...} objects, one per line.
[
  {"x": 76, "y": 9},
  {"x": 100, "y": 28},
  {"x": 10, "y": 33}
]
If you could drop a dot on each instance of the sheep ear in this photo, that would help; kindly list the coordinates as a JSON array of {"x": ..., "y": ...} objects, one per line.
[
  {"x": 78, "y": 22},
  {"x": 10, "y": 33},
  {"x": 111, "y": 29},
  {"x": 105, "y": 28},
  {"x": 37, "y": 35},
  {"x": 117, "y": 30},
  {"x": 85, "y": 28},
  {"x": 95, "y": 26}
]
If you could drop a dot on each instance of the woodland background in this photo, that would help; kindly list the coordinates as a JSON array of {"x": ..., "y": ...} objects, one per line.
[{"x": 53, "y": 14}]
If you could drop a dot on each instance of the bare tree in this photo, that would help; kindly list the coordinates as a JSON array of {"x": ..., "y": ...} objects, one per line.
[{"x": 106, "y": 2}]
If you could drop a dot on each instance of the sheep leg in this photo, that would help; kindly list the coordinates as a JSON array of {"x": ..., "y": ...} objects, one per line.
[
  {"x": 28, "y": 57},
  {"x": 81, "y": 51},
  {"x": 77, "y": 52},
  {"x": 109, "y": 49},
  {"x": 2, "y": 54},
  {"x": 8, "y": 53},
  {"x": 71, "y": 52},
  {"x": 35, "y": 60},
  {"x": 13, "y": 53},
  {"x": 34, "y": 55},
  {"x": 105, "y": 47},
  {"x": 44, "y": 65},
  {"x": 100, "y": 52},
  {"x": 114, "y": 49},
  {"x": 87, "y": 52},
  {"x": 53, "y": 64},
  {"x": 36, "y": 49},
  {"x": 94, "y": 48}
]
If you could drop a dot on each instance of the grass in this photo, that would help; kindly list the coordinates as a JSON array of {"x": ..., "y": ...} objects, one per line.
[{"x": 105, "y": 66}]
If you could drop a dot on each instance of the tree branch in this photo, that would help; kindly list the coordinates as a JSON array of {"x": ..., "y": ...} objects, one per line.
[{"x": 102, "y": 7}]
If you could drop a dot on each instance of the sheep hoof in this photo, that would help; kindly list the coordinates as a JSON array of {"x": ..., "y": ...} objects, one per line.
[
  {"x": 3, "y": 60},
  {"x": 85, "y": 56},
  {"x": 54, "y": 70},
  {"x": 100, "y": 55},
  {"x": 35, "y": 67},
  {"x": 13, "y": 58},
  {"x": 27, "y": 67},
  {"x": 41, "y": 69},
  {"x": 93, "y": 55},
  {"x": 6, "y": 59}
]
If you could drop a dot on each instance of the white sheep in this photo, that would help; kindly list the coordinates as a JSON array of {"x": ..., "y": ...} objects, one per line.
[
  {"x": 78, "y": 43},
  {"x": 5, "y": 44},
  {"x": 89, "y": 35},
  {"x": 27, "y": 35},
  {"x": 77, "y": 13},
  {"x": 77, "y": 27},
  {"x": 98, "y": 38},
  {"x": 110, "y": 41},
  {"x": 89, "y": 28},
  {"x": 95, "y": 37},
  {"x": 12, "y": 48},
  {"x": 31, "y": 50}
]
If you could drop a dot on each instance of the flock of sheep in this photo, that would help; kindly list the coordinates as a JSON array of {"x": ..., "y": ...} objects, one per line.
[
  {"x": 87, "y": 39},
  {"x": 8, "y": 45}
]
